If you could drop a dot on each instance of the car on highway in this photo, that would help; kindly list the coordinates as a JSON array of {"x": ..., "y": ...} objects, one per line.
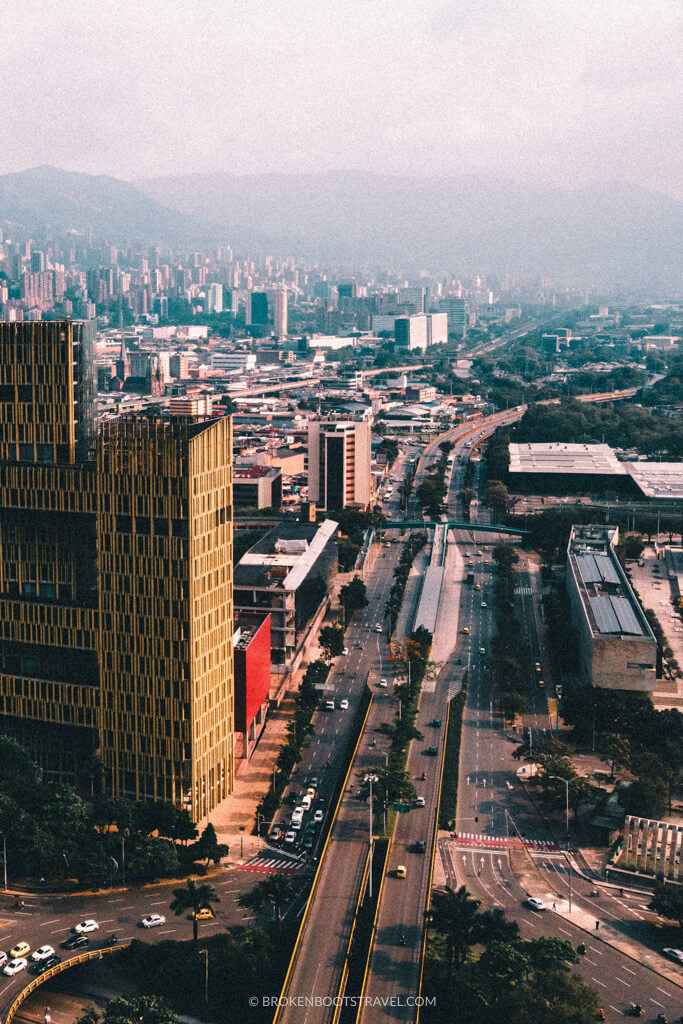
[
  {"x": 471, "y": 564},
  {"x": 153, "y": 921},
  {"x": 3, "y": 958},
  {"x": 329, "y": 705},
  {"x": 311, "y": 791},
  {"x": 419, "y": 801},
  {"x": 344, "y": 704},
  {"x": 45, "y": 965},
  {"x": 311, "y": 828},
  {"x": 308, "y": 842},
  {"x": 401, "y": 871},
  {"x": 435, "y": 723},
  {"x": 345, "y": 650},
  {"x": 275, "y": 834},
  {"x": 535, "y": 903},
  {"x": 432, "y": 751},
  {"x": 15, "y": 966},
  {"x": 21, "y": 949},
  {"x": 383, "y": 683},
  {"x": 482, "y": 650},
  {"x": 42, "y": 953},
  {"x": 89, "y": 925},
  {"x": 318, "y": 816},
  {"x": 290, "y": 838},
  {"x": 420, "y": 846},
  {"x": 75, "y": 942},
  {"x": 674, "y": 954},
  {"x": 466, "y": 630},
  {"x": 378, "y": 628},
  {"x": 205, "y": 914},
  {"x": 484, "y": 604},
  {"x": 297, "y": 814},
  {"x": 477, "y": 586}
]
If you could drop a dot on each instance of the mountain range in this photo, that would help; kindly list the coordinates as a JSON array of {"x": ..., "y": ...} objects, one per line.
[{"x": 611, "y": 233}]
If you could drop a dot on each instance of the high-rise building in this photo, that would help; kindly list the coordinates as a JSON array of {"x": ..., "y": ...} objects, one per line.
[
  {"x": 279, "y": 299},
  {"x": 115, "y": 580},
  {"x": 258, "y": 307},
  {"x": 457, "y": 315},
  {"x": 339, "y": 463},
  {"x": 214, "y": 298}
]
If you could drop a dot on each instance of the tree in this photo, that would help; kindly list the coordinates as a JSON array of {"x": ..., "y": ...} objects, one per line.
[
  {"x": 194, "y": 898},
  {"x": 208, "y": 847},
  {"x": 454, "y": 915},
  {"x": 512, "y": 704},
  {"x": 496, "y": 496},
  {"x": 139, "y": 1010},
  {"x": 331, "y": 640},
  {"x": 353, "y": 597},
  {"x": 276, "y": 891},
  {"x": 633, "y": 545},
  {"x": 152, "y": 858},
  {"x": 647, "y": 797},
  {"x": 550, "y": 954},
  {"x": 668, "y": 901},
  {"x": 618, "y": 752}
]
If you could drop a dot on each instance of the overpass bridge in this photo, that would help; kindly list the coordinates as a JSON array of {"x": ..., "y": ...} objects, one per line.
[{"x": 453, "y": 524}]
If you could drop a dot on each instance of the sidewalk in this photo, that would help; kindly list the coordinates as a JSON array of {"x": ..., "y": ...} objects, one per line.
[{"x": 535, "y": 882}]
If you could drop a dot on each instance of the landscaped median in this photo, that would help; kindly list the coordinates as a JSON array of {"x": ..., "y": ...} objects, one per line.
[{"x": 449, "y": 781}]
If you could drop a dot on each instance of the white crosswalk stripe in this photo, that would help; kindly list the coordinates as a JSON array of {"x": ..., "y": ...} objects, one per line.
[{"x": 523, "y": 590}]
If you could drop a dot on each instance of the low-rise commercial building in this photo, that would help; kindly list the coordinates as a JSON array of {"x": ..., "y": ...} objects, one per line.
[
  {"x": 252, "y": 680},
  {"x": 257, "y": 487},
  {"x": 289, "y": 574}
]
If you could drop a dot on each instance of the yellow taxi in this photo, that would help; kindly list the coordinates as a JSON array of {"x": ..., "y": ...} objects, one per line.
[
  {"x": 21, "y": 949},
  {"x": 205, "y": 914},
  {"x": 401, "y": 871}
]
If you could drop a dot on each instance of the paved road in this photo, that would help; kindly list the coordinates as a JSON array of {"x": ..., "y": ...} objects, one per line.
[
  {"x": 393, "y": 972},
  {"x": 47, "y": 920}
]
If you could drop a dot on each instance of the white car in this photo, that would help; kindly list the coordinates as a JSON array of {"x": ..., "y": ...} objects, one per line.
[
  {"x": 378, "y": 628},
  {"x": 318, "y": 816},
  {"x": 482, "y": 650},
  {"x": 345, "y": 650},
  {"x": 14, "y": 966},
  {"x": 535, "y": 903},
  {"x": 484, "y": 604},
  {"x": 85, "y": 926},
  {"x": 383, "y": 683},
  {"x": 153, "y": 921},
  {"x": 344, "y": 704},
  {"x": 420, "y": 801},
  {"x": 290, "y": 838},
  {"x": 44, "y": 953},
  {"x": 675, "y": 954}
]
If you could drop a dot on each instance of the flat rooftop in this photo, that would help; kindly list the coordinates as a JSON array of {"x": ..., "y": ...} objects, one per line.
[
  {"x": 289, "y": 551},
  {"x": 610, "y": 604},
  {"x": 561, "y": 457},
  {"x": 658, "y": 479}
]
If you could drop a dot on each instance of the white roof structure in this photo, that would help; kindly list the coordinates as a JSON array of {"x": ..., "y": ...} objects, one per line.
[
  {"x": 658, "y": 479},
  {"x": 561, "y": 457}
]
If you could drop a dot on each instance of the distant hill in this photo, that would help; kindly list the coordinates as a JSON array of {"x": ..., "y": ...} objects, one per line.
[
  {"x": 115, "y": 210},
  {"x": 616, "y": 232},
  {"x": 613, "y": 233}
]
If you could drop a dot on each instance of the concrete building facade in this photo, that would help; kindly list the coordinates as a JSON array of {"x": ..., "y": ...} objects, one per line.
[
  {"x": 617, "y": 648},
  {"x": 339, "y": 456}
]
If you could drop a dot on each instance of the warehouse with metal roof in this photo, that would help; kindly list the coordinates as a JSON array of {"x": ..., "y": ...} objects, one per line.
[{"x": 617, "y": 648}]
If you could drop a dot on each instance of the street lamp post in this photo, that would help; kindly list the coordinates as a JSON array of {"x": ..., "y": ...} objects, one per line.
[
  {"x": 241, "y": 842},
  {"x": 566, "y": 783},
  {"x": 370, "y": 779},
  {"x": 206, "y": 974},
  {"x": 4, "y": 858}
]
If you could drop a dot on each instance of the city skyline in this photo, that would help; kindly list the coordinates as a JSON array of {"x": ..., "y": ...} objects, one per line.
[{"x": 564, "y": 97}]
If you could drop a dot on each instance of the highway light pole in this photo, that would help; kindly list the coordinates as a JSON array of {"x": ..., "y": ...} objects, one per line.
[
  {"x": 370, "y": 779},
  {"x": 566, "y": 783}
]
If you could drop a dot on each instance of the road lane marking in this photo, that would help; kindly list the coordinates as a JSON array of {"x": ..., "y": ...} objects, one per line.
[
  {"x": 598, "y": 983},
  {"x": 629, "y": 970},
  {"x": 117, "y": 901},
  {"x": 159, "y": 903},
  {"x": 589, "y": 961},
  {"x": 667, "y": 994},
  {"x": 48, "y": 922},
  {"x": 627, "y": 983},
  {"x": 167, "y": 931},
  {"x": 600, "y": 952},
  {"x": 565, "y": 931},
  {"x": 655, "y": 1002}
]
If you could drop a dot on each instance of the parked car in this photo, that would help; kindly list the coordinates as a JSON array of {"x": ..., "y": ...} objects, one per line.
[
  {"x": 88, "y": 925},
  {"x": 674, "y": 954},
  {"x": 535, "y": 903},
  {"x": 153, "y": 921}
]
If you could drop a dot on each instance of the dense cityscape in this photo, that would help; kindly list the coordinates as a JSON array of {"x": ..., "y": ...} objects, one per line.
[{"x": 341, "y": 515}]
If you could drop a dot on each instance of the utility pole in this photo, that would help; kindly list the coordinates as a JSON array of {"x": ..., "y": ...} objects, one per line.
[
  {"x": 4, "y": 858},
  {"x": 566, "y": 783},
  {"x": 206, "y": 974}
]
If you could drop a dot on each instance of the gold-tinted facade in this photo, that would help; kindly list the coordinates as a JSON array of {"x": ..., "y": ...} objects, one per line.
[{"x": 115, "y": 581}]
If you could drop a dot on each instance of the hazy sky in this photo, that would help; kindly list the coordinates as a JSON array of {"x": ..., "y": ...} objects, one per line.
[{"x": 561, "y": 91}]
